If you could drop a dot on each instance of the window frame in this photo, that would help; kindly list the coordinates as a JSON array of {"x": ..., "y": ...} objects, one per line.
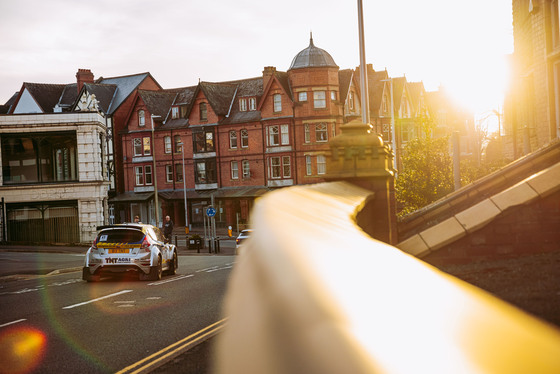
[
  {"x": 243, "y": 104},
  {"x": 138, "y": 175},
  {"x": 167, "y": 148},
  {"x": 277, "y": 103},
  {"x": 141, "y": 118},
  {"x": 38, "y": 157},
  {"x": 302, "y": 96},
  {"x": 232, "y": 139},
  {"x": 234, "y": 167},
  {"x": 147, "y": 146},
  {"x": 318, "y": 101},
  {"x": 321, "y": 165},
  {"x": 210, "y": 171},
  {"x": 308, "y": 165},
  {"x": 179, "y": 172},
  {"x": 306, "y": 133},
  {"x": 146, "y": 174},
  {"x": 244, "y": 138},
  {"x": 286, "y": 173},
  {"x": 176, "y": 142},
  {"x": 203, "y": 111},
  {"x": 137, "y": 147},
  {"x": 202, "y": 143},
  {"x": 284, "y": 134},
  {"x": 169, "y": 173},
  {"x": 321, "y": 132},
  {"x": 252, "y": 103},
  {"x": 246, "y": 169},
  {"x": 273, "y": 135}
]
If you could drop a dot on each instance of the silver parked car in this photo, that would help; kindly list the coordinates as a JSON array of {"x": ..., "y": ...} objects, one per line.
[{"x": 131, "y": 247}]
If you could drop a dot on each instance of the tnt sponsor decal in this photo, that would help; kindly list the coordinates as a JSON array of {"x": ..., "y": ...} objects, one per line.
[{"x": 117, "y": 260}]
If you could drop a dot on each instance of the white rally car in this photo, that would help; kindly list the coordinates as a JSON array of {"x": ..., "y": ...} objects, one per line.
[{"x": 130, "y": 247}]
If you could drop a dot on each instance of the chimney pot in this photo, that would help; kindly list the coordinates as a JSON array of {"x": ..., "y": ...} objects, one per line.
[{"x": 83, "y": 76}]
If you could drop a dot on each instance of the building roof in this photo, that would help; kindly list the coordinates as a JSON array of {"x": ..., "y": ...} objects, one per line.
[
  {"x": 125, "y": 86},
  {"x": 312, "y": 57},
  {"x": 246, "y": 88},
  {"x": 68, "y": 96},
  {"x": 158, "y": 102},
  {"x": 104, "y": 94},
  {"x": 219, "y": 95},
  {"x": 184, "y": 96},
  {"x": 46, "y": 95},
  {"x": 344, "y": 81},
  {"x": 415, "y": 90}
]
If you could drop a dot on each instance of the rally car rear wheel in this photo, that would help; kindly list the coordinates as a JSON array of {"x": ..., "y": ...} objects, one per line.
[
  {"x": 173, "y": 265},
  {"x": 156, "y": 271}
]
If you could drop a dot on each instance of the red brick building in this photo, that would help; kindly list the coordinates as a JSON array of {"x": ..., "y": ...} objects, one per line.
[
  {"x": 532, "y": 107},
  {"x": 244, "y": 138}
]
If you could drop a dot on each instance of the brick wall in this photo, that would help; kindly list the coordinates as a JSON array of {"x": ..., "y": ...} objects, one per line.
[{"x": 529, "y": 229}]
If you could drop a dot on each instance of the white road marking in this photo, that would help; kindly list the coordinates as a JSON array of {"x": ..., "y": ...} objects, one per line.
[
  {"x": 13, "y": 322},
  {"x": 170, "y": 280},
  {"x": 206, "y": 269},
  {"x": 224, "y": 268},
  {"x": 99, "y": 298}
]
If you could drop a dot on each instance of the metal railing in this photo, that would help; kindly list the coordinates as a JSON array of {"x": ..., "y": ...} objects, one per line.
[{"x": 312, "y": 293}]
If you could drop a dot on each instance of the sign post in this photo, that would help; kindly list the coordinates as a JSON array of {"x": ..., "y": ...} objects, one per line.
[{"x": 211, "y": 213}]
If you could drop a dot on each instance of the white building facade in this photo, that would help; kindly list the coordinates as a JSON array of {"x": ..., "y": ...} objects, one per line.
[{"x": 54, "y": 182}]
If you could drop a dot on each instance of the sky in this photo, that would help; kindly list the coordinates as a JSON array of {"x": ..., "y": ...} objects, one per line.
[{"x": 458, "y": 45}]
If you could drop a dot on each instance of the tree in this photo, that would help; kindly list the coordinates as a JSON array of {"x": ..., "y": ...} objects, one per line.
[{"x": 427, "y": 174}]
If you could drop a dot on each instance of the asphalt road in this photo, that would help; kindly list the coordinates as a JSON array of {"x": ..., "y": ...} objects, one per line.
[{"x": 69, "y": 325}]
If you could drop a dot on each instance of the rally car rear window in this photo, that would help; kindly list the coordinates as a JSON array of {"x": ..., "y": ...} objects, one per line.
[{"x": 120, "y": 236}]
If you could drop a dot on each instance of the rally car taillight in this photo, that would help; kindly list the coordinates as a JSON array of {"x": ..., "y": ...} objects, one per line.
[
  {"x": 94, "y": 244},
  {"x": 145, "y": 245}
]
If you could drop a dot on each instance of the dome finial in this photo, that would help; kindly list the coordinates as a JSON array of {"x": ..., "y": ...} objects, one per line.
[{"x": 311, "y": 38}]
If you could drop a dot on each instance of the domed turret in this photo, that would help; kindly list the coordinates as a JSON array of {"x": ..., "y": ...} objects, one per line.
[{"x": 312, "y": 57}]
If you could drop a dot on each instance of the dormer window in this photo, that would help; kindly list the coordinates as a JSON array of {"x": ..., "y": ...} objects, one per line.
[
  {"x": 175, "y": 112},
  {"x": 385, "y": 105},
  {"x": 203, "y": 112},
  {"x": 243, "y": 105},
  {"x": 141, "y": 118},
  {"x": 252, "y": 103},
  {"x": 277, "y": 98}
]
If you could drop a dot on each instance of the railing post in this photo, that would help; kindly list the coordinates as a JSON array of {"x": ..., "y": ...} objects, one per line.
[{"x": 359, "y": 156}]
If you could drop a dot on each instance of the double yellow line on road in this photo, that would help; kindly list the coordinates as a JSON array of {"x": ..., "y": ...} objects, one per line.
[{"x": 165, "y": 355}]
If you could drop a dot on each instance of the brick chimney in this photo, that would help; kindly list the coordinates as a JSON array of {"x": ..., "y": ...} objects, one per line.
[
  {"x": 268, "y": 72},
  {"x": 83, "y": 76}
]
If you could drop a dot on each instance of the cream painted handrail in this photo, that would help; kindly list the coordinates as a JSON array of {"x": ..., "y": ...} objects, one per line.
[{"x": 312, "y": 293}]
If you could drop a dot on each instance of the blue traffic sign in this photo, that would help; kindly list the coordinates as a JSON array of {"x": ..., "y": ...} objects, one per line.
[{"x": 211, "y": 212}]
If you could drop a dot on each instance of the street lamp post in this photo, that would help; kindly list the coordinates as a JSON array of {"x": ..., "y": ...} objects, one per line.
[
  {"x": 155, "y": 172},
  {"x": 393, "y": 131},
  {"x": 187, "y": 226},
  {"x": 363, "y": 67}
]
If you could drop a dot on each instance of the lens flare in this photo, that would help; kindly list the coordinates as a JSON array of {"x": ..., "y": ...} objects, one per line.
[{"x": 21, "y": 350}]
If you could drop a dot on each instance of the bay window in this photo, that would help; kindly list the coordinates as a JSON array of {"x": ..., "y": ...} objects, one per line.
[{"x": 319, "y": 100}]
